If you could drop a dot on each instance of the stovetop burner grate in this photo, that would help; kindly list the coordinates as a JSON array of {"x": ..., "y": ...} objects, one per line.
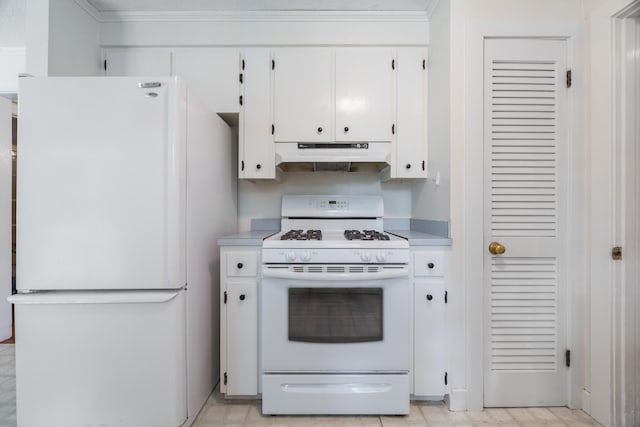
[
  {"x": 302, "y": 235},
  {"x": 365, "y": 235}
]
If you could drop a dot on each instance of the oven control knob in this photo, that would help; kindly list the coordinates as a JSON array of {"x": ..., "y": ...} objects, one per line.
[
  {"x": 365, "y": 256},
  {"x": 381, "y": 257},
  {"x": 305, "y": 256},
  {"x": 290, "y": 256}
]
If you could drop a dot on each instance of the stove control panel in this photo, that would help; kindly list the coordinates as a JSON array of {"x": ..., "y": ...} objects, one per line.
[{"x": 328, "y": 206}]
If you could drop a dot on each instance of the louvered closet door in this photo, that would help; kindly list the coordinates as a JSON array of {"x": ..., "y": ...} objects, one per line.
[{"x": 525, "y": 141}]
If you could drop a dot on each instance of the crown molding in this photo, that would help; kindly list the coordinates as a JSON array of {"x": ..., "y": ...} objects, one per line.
[
  {"x": 264, "y": 16},
  {"x": 90, "y": 9}
]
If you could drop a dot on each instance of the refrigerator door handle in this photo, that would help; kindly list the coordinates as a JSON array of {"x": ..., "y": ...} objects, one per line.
[{"x": 95, "y": 297}]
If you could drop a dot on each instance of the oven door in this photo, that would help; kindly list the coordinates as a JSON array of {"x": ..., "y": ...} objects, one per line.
[{"x": 328, "y": 319}]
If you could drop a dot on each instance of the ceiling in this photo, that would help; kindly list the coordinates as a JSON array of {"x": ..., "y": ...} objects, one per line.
[{"x": 260, "y": 5}]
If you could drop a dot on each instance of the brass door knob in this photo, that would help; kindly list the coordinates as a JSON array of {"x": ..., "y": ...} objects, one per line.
[{"x": 496, "y": 248}]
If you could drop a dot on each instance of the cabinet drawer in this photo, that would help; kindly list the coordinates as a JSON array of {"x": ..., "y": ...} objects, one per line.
[
  {"x": 428, "y": 264},
  {"x": 242, "y": 264}
]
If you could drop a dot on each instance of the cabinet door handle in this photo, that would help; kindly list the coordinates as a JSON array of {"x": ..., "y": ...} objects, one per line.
[
  {"x": 346, "y": 129},
  {"x": 239, "y": 265},
  {"x": 258, "y": 166},
  {"x": 429, "y": 297},
  {"x": 408, "y": 166},
  {"x": 319, "y": 130},
  {"x": 430, "y": 265},
  {"x": 393, "y": 129},
  {"x": 242, "y": 297}
]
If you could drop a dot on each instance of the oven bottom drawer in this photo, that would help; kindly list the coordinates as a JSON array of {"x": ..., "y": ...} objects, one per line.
[{"x": 335, "y": 394}]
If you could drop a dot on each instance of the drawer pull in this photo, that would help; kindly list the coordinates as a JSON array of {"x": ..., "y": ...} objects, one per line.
[
  {"x": 430, "y": 265},
  {"x": 242, "y": 297},
  {"x": 429, "y": 297},
  {"x": 240, "y": 265}
]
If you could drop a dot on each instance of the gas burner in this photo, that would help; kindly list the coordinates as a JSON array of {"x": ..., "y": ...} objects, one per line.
[
  {"x": 365, "y": 235},
  {"x": 302, "y": 235}
]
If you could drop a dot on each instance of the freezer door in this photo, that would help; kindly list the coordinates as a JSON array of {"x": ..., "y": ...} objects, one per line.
[
  {"x": 101, "y": 359},
  {"x": 101, "y": 187}
]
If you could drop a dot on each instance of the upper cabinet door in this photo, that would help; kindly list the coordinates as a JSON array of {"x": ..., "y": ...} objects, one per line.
[
  {"x": 365, "y": 101},
  {"x": 411, "y": 132},
  {"x": 137, "y": 62},
  {"x": 303, "y": 95},
  {"x": 256, "y": 151}
]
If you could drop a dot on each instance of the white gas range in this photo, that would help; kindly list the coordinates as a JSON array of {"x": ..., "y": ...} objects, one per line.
[{"x": 335, "y": 310}]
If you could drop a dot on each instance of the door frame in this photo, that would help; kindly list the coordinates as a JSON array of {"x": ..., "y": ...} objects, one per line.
[
  {"x": 625, "y": 211},
  {"x": 472, "y": 165},
  {"x": 607, "y": 394},
  {"x": 6, "y": 172}
]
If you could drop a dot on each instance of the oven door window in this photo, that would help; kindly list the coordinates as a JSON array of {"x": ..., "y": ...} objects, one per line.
[{"x": 335, "y": 315}]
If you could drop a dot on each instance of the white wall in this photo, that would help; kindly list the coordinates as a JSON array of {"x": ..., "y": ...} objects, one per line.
[
  {"x": 12, "y": 23},
  {"x": 12, "y": 43},
  {"x": 62, "y": 38},
  {"x": 73, "y": 40},
  {"x": 262, "y": 199}
]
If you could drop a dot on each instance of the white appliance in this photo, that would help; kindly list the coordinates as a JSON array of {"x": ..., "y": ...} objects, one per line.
[
  {"x": 335, "y": 310},
  {"x": 120, "y": 187}
]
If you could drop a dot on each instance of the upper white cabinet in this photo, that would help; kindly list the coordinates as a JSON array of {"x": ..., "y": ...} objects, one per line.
[
  {"x": 303, "y": 95},
  {"x": 411, "y": 132},
  {"x": 256, "y": 155},
  {"x": 334, "y": 95},
  {"x": 137, "y": 62},
  {"x": 365, "y": 101}
]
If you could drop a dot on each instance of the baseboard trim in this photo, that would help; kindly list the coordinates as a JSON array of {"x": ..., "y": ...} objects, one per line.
[
  {"x": 456, "y": 400},
  {"x": 586, "y": 401}
]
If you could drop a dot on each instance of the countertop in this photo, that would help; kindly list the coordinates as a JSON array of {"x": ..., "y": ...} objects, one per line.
[
  {"x": 247, "y": 238},
  {"x": 419, "y": 238}
]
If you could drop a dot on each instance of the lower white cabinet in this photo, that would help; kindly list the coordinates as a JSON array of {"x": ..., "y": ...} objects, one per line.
[
  {"x": 429, "y": 364},
  {"x": 239, "y": 276},
  {"x": 430, "y": 297}
]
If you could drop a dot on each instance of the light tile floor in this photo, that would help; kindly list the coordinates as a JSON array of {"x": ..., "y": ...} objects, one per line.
[
  {"x": 7, "y": 385},
  {"x": 219, "y": 412}
]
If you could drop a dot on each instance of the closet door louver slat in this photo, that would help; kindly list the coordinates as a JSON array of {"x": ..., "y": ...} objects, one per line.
[{"x": 523, "y": 149}]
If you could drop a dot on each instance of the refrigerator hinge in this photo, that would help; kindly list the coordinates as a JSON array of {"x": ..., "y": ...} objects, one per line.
[
  {"x": 225, "y": 297},
  {"x": 225, "y": 378}
]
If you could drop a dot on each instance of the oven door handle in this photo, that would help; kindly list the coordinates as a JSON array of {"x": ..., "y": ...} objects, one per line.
[{"x": 346, "y": 277}]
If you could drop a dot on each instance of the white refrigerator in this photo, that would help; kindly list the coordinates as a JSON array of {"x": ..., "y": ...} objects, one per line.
[{"x": 124, "y": 186}]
